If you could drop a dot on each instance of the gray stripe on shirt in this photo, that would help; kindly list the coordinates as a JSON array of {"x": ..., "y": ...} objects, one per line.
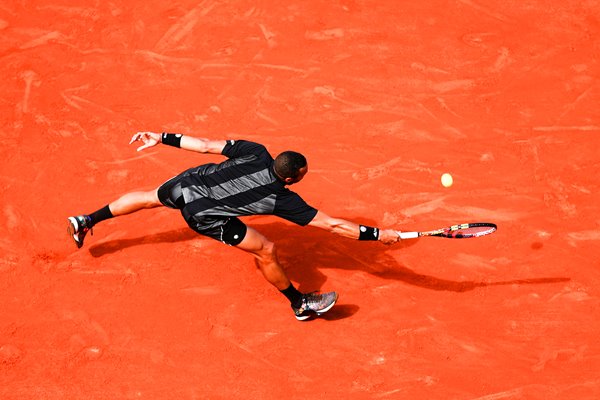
[
  {"x": 229, "y": 188},
  {"x": 265, "y": 205}
]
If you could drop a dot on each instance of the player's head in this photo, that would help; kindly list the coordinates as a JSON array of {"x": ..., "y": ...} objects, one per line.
[{"x": 290, "y": 167}]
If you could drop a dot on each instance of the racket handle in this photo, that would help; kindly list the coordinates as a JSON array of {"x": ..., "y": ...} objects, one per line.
[{"x": 409, "y": 235}]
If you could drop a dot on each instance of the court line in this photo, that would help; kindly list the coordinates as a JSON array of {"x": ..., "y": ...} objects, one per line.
[
  {"x": 559, "y": 128},
  {"x": 485, "y": 10}
]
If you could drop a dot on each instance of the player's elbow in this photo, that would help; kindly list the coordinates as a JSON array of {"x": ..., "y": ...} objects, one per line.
[
  {"x": 328, "y": 224},
  {"x": 333, "y": 225},
  {"x": 336, "y": 227}
]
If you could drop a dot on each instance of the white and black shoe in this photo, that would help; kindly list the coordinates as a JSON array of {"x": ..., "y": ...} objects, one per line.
[
  {"x": 315, "y": 304},
  {"x": 78, "y": 227}
]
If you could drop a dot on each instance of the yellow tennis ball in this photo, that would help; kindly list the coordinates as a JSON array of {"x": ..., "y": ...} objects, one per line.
[{"x": 447, "y": 180}]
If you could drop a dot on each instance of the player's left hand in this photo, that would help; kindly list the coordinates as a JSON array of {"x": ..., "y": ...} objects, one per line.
[{"x": 149, "y": 139}]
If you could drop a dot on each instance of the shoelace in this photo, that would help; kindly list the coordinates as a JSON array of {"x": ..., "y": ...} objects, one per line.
[{"x": 311, "y": 299}]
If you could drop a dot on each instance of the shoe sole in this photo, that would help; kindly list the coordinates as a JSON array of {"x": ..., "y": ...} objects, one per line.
[
  {"x": 304, "y": 317},
  {"x": 320, "y": 312},
  {"x": 72, "y": 231}
]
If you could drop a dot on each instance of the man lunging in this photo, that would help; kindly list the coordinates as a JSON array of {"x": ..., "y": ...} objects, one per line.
[{"x": 211, "y": 197}]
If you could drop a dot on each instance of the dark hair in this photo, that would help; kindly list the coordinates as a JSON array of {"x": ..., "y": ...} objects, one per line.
[{"x": 288, "y": 164}]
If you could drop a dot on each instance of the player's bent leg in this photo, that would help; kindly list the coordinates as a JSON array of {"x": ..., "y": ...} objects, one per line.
[
  {"x": 264, "y": 250},
  {"x": 266, "y": 258}
]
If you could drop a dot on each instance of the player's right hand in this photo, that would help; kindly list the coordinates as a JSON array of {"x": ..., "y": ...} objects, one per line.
[
  {"x": 389, "y": 236},
  {"x": 149, "y": 139}
]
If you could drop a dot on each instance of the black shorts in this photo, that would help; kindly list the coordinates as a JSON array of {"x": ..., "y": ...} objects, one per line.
[{"x": 229, "y": 230}]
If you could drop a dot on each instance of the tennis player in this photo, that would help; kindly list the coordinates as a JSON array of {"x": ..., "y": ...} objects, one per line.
[{"x": 211, "y": 197}]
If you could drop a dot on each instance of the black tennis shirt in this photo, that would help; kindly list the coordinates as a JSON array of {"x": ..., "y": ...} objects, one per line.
[{"x": 244, "y": 184}]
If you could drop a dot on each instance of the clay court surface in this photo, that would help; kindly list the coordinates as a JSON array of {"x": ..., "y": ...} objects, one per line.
[{"x": 382, "y": 97}]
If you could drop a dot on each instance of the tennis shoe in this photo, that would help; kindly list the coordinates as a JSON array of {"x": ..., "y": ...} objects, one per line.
[
  {"x": 315, "y": 304},
  {"x": 78, "y": 227}
]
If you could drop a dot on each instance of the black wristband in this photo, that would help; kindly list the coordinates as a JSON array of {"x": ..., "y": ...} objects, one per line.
[
  {"x": 368, "y": 233},
  {"x": 171, "y": 139}
]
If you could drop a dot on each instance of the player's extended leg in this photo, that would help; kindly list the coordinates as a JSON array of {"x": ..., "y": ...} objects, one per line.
[
  {"x": 80, "y": 225},
  {"x": 304, "y": 305},
  {"x": 134, "y": 201}
]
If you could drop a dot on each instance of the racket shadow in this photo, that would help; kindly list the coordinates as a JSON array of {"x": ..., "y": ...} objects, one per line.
[{"x": 433, "y": 283}]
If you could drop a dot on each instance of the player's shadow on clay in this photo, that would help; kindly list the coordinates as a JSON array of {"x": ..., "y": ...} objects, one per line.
[
  {"x": 340, "y": 311},
  {"x": 305, "y": 251},
  {"x": 112, "y": 246}
]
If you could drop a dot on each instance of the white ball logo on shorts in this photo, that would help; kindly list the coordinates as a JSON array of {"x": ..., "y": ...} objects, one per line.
[{"x": 363, "y": 229}]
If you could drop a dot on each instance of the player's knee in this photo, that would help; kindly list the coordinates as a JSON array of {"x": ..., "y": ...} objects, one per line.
[
  {"x": 152, "y": 199},
  {"x": 268, "y": 253},
  {"x": 270, "y": 249}
]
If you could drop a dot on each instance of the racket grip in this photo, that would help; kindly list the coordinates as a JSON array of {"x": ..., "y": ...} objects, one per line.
[{"x": 409, "y": 235}]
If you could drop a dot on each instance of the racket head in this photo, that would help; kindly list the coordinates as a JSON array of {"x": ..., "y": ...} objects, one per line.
[{"x": 464, "y": 231}]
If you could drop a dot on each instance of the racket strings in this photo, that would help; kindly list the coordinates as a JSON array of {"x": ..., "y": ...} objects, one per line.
[{"x": 472, "y": 231}]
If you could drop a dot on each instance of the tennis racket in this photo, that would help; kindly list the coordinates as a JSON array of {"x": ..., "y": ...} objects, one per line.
[{"x": 461, "y": 231}]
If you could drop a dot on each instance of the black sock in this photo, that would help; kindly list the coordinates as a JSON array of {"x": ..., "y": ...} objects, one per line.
[
  {"x": 293, "y": 295},
  {"x": 100, "y": 215}
]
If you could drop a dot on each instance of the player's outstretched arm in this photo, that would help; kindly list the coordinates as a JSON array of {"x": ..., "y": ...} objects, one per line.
[
  {"x": 352, "y": 230},
  {"x": 191, "y": 143}
]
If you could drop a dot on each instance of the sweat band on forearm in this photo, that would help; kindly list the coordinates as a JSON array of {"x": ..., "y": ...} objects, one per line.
[
  {"x": 368, "y": 233},
  {"x": 171, "y": 139}
]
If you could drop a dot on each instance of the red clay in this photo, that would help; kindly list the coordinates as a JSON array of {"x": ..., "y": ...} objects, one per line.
[{"x": 383, "y": 97}]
